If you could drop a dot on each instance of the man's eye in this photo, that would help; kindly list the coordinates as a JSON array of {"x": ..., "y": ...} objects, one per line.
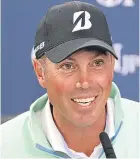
[
  {"x": 98, "y": 63},
  {"x": 67, "y": 66}
]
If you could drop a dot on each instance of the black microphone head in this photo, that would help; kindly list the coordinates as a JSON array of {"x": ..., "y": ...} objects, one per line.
[
  {"x": 105, "y": 139},
  {"x": 107, "y": 146}
]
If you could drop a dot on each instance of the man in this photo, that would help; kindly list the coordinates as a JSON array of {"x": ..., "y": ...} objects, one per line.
[{"x": 74, "y": 61}]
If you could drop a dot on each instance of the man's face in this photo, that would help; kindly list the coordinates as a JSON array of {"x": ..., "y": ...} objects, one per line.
[{"x": 79, "y": 86}]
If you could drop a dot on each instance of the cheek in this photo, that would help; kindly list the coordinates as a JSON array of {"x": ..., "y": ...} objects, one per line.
[
  {"x": 62, "y": 85},
  {"x": 105, "y": 80}
]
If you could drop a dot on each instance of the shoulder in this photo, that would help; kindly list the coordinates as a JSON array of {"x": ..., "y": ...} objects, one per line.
[
  {"x": 131, "y": 119},
  {"x": 12, "y": 135},
  {"x": 15, "y": 122},
  {"x": 128, "y": 101},
  {"x": 12, "y": 129},
  {"x": 130, "y": 106}
]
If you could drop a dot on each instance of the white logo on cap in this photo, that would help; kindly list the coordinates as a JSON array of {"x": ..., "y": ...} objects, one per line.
[
  {"x": 40, "y": 46},
  {"x": 83, "y": 18}
]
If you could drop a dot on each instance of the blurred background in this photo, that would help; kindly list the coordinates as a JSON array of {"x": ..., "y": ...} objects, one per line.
[{"x": 20, "y": 19}]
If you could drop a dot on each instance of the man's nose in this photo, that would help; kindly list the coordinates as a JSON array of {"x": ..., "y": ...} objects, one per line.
[
  {"x": 83, "y": 79},
  {"x": 84, "y": 85}
]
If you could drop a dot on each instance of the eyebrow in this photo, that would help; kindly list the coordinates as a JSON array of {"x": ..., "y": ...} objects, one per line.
[
  {"x": 70, "y": 58},
  {"x": 96, "y": 55},
  {"x": 100, "y": 54}
]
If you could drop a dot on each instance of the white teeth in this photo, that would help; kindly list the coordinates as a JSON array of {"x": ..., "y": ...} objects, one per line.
[
  {"x": 84, "y": 104},
  {"x": 83, "y": 101}
]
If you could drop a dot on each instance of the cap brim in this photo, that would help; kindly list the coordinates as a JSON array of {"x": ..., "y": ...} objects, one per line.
[{"x": 64, "y": 50}]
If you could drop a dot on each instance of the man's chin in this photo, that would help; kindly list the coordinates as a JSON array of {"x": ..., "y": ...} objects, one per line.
[{"x": 83, "y": 122}]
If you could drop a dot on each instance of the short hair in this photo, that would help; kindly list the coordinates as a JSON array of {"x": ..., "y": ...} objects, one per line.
[{"x": 32, "y": 54}]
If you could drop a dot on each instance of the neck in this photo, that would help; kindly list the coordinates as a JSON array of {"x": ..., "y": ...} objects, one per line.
[{"x": 77, "y": 138}]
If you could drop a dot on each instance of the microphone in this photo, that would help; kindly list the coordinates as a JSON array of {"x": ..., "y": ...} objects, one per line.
[{"x": 107, "y": 146}]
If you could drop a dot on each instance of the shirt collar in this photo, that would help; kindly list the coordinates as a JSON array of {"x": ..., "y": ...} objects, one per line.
[
  {"x": 54, "y": 136},
  {"x": 49, "y": 128}
]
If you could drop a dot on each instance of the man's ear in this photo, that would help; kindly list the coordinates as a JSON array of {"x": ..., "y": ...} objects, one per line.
[{"x": 40, "y": 73}]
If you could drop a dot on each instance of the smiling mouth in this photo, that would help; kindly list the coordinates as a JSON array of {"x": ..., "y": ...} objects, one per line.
[{"x": 85, "y": 101}]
